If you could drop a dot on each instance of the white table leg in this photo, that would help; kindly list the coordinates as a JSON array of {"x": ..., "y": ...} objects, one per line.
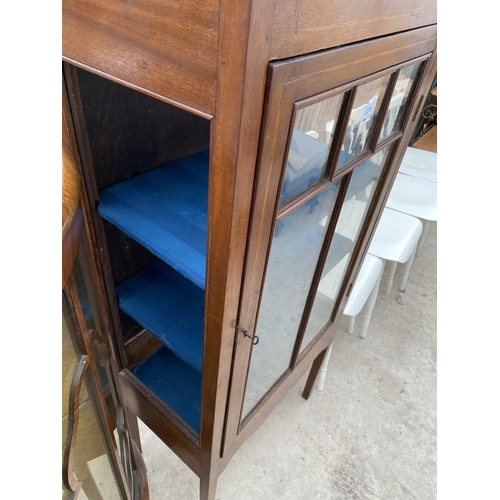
[
  {"x": 392, "y": 271},
  {"x": 322, "y": 373},
  {"x": 370, "y": 305},
  {"x": 406, "y": 271},
  {"x": 426, "y": 224}
]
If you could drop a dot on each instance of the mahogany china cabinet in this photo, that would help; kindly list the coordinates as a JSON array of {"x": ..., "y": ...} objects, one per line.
[{"x": 235, "y": 155}]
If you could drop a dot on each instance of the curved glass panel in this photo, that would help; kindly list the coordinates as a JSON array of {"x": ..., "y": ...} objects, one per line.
[
  {"x": 295, "y": 249},
  {"x": 90, "y": 461},
  {"x": 309, "y": 146},
  {"x": 354, "y": 209},
  {"x": 81, "y": 274}
]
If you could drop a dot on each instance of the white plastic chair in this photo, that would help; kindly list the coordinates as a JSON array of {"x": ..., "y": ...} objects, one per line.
[
  {"x": 420, "y": 164},
  {"x": 416, "y": 197},
  {"x": 395, "y": 240},
  {"x": 364, "y": 291}
]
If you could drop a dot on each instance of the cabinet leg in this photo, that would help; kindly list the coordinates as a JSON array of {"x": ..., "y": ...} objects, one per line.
[
  {"x": 208, "y": 486},
  {"x": 324, "y": 369},
  {"x": 133, "y": 426},
  {"x": 315, "y": 368}
]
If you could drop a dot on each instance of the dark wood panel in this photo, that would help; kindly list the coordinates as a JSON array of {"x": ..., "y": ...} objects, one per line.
[
  {"x": 163, "y": 47},
  {"x": 131, "y": 133},
  {"x": 128, "y": 257},
  {"x": 140, "y": 346},
  {"x": 302, "y": 26}
]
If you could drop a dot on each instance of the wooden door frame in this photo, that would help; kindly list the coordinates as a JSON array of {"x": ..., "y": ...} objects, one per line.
[{"x": 289, "y": 82}]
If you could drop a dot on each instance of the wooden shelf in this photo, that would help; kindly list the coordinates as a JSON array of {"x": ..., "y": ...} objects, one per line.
[
  {"x": 165, "y": 210},
  {"x": 169, "y": 306},
  {"x": 176, "y": 383}
]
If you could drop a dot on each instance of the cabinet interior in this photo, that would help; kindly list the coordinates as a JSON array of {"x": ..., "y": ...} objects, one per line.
[{"x": 150, "y": 165}]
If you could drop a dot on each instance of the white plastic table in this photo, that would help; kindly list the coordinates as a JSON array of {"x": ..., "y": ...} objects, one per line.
[
  {"x": 419, "y": 163},
  {"x": 416, "y": 197},
  {"x": 395, "y": 240}
]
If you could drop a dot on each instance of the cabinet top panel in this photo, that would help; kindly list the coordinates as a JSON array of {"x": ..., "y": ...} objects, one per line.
[
  {"x": 302, "y": 26},
  {"x": 163, "y": 47}
]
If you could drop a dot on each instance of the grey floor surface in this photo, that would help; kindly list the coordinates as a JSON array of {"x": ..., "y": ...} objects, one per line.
[{"x": 370, "y": 434}]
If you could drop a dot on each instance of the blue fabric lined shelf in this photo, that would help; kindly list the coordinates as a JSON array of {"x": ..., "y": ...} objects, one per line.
[
  {"x": 165, "y": 210},
  {"x": 169, "y": 306},
  {"x": 176, "y": 383}
]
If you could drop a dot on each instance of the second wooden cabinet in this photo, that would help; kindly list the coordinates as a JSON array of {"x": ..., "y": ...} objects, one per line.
[{"x": 228, "y": 239}]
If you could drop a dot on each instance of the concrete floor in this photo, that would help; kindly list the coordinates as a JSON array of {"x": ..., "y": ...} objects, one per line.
[{"x": 371, "y": 433}]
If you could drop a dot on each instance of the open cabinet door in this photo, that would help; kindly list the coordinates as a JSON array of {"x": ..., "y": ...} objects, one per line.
[
  {"x": 335, "y": 125},
  {"x": 101, "y": 449}
]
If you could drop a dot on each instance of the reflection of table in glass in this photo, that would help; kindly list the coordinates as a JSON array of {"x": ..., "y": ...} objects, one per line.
[
  {"x": 416, "y": 197},
  {"x": 419, "y": 163}
]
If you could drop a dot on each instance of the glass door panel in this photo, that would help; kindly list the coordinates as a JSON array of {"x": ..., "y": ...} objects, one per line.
[
  {"x": 400, "y": 100},
  {"x": 363, "y": 119},
  {"x": 296, "y": 244},
  {"x": 300, "y": 257},
  {"x": 309, "y": 146},
  {"x": 353, "y": 213}
]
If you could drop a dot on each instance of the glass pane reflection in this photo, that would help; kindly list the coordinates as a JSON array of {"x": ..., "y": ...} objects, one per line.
[
  {"x": 309, "y": 146},
  {"x": 90, "y": 461},
  {"x": 294, "y": 254},
  {"x": 84, "y": 287},
  {"x": 399, "y": 100},
  {"x": 363, "y": 118},
  {"x": 354, "y": 209}
]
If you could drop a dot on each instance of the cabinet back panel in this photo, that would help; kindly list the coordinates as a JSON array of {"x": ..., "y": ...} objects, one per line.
[
  {"x": 131, "y": 133},
  {"x": 127, "y": 256},
  {"x": 302, "y": 26},
  {"x": 165, "y": 47}
]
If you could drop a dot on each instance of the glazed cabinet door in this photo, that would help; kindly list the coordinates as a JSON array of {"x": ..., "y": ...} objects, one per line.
[
  {"x": 333, "y": 124},
  {"x": 101, "y": 457}
]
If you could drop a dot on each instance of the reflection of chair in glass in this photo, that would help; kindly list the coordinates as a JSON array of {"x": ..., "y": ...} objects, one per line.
[{"x": 329, "y": 129}]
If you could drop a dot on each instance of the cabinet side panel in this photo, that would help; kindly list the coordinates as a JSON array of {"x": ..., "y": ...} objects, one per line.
[
  {"x": 164, "y": 47},
  {"x": 302, "y": 26}
]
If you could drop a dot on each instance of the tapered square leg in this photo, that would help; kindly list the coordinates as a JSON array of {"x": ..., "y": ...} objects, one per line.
[{"x": 315, "y": 368}]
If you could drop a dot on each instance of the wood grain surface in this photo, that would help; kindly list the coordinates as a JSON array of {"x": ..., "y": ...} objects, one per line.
[
  {"x": 162, "y": 47},
  {"x": 302, "y": 26}
]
